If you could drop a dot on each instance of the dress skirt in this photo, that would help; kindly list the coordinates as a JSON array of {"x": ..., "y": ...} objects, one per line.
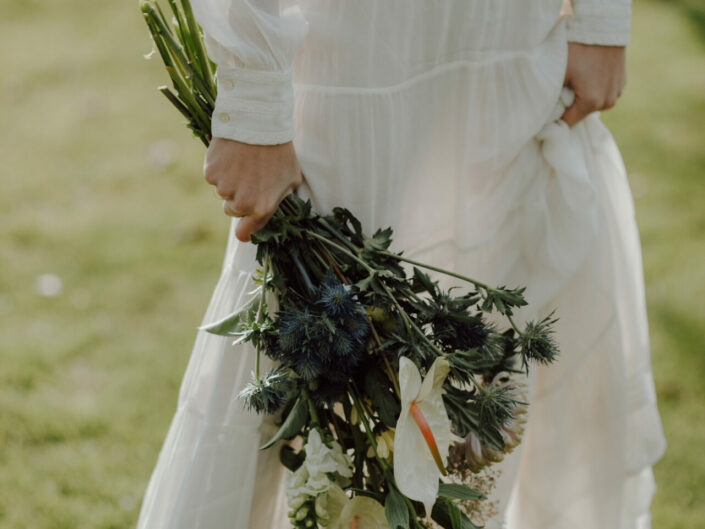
[{"x": 456, "y": 143}]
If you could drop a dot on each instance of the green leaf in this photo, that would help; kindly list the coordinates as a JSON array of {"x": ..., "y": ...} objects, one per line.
[
  {"x": 441, "y": 514},
  {"x": 232, "y": 325},
  {"x": 459, "y": 492},
  {"x": 467, "y": 522},
  {"x": 380, "y": 241},
  {"x": 395, "y": 510},
  {"x": 377, "y": 387},
  {"x": 346, "y": 216},
  {"x": 456, "y": 521},
  {"x": 422, "y": 281},
  {"x": 366, "y": 283},
  {"x": 291, "y": 459},
  {"x": 503, "y": 299},
  {"x": 292, "y": 424},
  {"x": 449, "y": 516}
]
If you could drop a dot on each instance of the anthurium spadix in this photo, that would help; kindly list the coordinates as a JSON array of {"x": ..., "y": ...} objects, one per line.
[{"x": 423, "y": 432}]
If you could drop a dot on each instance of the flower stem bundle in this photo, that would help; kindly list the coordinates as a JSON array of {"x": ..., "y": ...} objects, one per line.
[{"x": 395, "y": 385}]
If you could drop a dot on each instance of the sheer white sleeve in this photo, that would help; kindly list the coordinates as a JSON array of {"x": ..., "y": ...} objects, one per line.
[
  {"x": 253, "y": 43},
  {"x": 603, "y": 22}
]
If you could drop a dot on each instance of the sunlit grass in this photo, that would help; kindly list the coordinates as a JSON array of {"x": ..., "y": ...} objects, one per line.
[
  {"x": 102, "y": 186},
  {"x": 660, "y": 126}
]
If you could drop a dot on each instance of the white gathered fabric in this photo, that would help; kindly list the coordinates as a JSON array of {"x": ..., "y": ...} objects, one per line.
[{"x": 440, "y": 119}]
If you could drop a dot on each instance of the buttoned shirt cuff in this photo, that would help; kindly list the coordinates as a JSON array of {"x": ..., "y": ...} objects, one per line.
[
  {"x": 253, "y": 106},
  {"x": 600, "y": 24}
]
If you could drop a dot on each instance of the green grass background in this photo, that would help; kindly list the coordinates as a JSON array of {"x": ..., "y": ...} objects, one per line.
[{"x": 101, "y": 185}]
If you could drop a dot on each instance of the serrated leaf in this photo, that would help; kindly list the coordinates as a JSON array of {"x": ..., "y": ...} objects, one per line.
[
  {"x": 365, "y": 283},
  {"x": 423, "y": 280},
  {"x": 242, "y": 337},
  {"x": 380, "y": 241},
  {"x": 292, "y": 425}
]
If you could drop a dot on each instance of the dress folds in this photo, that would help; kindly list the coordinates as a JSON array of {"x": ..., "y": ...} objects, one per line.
[{"x": 442, "y": 120}]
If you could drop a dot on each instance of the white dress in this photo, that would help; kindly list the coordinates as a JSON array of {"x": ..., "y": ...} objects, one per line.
[{"x": 438, "y": 118}]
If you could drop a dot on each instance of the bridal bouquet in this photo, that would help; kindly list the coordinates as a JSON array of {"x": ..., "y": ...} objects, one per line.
[{"x": 392, "y": 391}]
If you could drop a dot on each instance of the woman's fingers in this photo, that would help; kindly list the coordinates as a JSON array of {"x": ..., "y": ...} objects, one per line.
[
  {"x": 601, "y": 98},
  {"x": 597, "y": 76},
  {"x": 254, "y": 219},
  {"x": 249, "y": 225},
  {"x": 230, "y": 209},
  {"x": 252, "y": 180},
  {"x": 580, "y": 108}
]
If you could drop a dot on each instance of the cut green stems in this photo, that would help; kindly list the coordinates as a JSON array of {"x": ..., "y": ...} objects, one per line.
[
  {"x": 260, "y": 307},
  {"x": 435, "y": 269}
]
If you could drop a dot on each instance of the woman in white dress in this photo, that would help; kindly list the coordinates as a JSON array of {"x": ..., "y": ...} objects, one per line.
[{"x": 449, "y": 121}]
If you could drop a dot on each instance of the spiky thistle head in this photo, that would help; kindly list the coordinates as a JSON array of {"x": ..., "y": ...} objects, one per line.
[
  {"x": 453, "y": 323},
  {"x": 357, "y": 325},
  {"x": 269, "y": 393},
  {"x": 329, "y": 335},
  {"x": 537, "y": 343},
  {"x": 494, "y": 406},
  {"x": 335, "y": 298},
  {"x": 293, "y": 326}
]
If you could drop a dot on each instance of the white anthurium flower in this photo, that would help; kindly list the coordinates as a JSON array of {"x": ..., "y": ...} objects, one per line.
[
  {"x": 423, "y": 432},
  {"x": 361, "y": 512}
]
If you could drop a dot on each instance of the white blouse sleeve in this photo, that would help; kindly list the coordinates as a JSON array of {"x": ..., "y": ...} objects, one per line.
[
  {"x": 253, "y": 44},
  {"x": 602, "y": 22}
]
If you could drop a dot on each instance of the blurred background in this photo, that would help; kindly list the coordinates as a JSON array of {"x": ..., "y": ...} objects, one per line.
[{"x": 111, "y": 244}]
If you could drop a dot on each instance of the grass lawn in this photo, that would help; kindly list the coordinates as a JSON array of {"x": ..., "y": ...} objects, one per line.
[
  {"x": 102, "y": 191},
  {"x": 660, "y": 127}
]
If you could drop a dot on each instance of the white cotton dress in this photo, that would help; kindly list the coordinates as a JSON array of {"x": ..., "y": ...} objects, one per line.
[{"x": 440, "y": 118}]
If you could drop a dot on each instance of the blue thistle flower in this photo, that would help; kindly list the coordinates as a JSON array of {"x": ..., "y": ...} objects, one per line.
[
  {"x": 268, "y": 394},
  {"x": 334, "y": 297},
  {"x": 357, "y": 325},
  {"x": 325, "y": 339},
  {"x": 537, "y": 342},
  {"x": 308, "y": 366},
  {"x": 323, "y": 333},
  {"x": 293, "y": 328}
]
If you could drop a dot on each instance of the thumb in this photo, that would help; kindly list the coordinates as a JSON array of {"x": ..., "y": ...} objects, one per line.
[
  {"x": 577, "y": 111},
  {"x": 246, "y": 226},
  {"x": 249, "y": 225}
]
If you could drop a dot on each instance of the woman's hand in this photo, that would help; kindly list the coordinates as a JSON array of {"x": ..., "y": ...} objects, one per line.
[
  {"x": 597, "y": 76},
  {"x": 252, "y": 179}
]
